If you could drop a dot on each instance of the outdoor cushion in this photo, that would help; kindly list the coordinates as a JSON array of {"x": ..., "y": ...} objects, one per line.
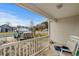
[{"x": 58, "y": 48}]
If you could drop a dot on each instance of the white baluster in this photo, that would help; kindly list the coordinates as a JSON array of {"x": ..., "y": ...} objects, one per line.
[
  {"x": 15, "y": 47},
  {"x": 0, "y": 52},
  {"x": 10, "y": 51},
  {"x": 33, "y": 46},
  {"x": 19, "y": 45},
  {"x": 28, "y": 49},
  {"x": 23, "y": 50},
  {"x": 36, "y": 45},
  {"x": 4, "y": 51}
]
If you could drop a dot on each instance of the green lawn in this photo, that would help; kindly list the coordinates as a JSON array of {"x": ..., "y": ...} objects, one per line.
[
  {"x": 6, "y": 32},
  {"x": 40, "y": 35}
]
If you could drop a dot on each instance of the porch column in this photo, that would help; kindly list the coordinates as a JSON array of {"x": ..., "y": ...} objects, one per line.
[
  {"x": 49, "y": 28},
  {"x": 49, "y": 35}
]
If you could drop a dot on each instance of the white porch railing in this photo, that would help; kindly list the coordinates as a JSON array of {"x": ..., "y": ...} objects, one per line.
[{"x": 24, "y": 48}]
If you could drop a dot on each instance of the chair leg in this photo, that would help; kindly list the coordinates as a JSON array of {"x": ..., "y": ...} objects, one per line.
[{"x": 60, "y": 53}]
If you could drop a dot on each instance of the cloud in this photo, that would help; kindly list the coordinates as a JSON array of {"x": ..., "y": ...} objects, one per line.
[{"x": 13, "y": 19}]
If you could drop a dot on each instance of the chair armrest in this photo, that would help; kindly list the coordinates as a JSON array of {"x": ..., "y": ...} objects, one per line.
[{"x": 65, "y": 50}]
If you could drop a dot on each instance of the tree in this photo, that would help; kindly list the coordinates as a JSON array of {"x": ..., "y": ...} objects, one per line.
[
  {"x": 42, "y": 26},
  {"x": 32, "y": 27},
  {"x": 45, "y": 24}
]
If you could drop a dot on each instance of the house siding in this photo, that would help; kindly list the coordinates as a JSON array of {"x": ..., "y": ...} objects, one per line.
[
  {"x": 5, "y": 28},
  {"x": 63, "y": 29}
]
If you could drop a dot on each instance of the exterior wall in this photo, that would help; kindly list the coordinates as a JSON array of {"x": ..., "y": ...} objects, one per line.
[
  {"x": 61, "y": 30},
  {"x": 5, "y": 28},
  {"x": 0, "y": 29}
]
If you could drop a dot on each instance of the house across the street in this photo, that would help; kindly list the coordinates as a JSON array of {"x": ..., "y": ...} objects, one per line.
[{"x": 6, "y": 28}]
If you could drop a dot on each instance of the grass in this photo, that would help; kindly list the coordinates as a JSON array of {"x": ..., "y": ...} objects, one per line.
[
  {"x": 6, "y": 33},
  {"x": 7, "y": 40},
  {"x": 40, "y": 35}
]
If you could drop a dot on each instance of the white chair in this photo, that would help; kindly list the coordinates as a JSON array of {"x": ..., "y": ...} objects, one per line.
[
  {"x": 76, "y": 38},
  {"x": 71, "y": 44}
]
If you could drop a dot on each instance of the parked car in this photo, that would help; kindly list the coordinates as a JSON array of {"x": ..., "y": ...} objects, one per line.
[{"x": 23, "y": 34}]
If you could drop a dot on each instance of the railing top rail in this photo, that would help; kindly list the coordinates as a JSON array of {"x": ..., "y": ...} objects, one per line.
[{"x": 36, "y": 38}]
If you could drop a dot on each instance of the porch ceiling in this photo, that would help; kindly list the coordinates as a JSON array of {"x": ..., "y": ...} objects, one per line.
[{"x": 50, "y": 10}]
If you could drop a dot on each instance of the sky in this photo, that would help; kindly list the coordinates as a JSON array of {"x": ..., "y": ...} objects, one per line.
[{"x": 16, "y": 15}]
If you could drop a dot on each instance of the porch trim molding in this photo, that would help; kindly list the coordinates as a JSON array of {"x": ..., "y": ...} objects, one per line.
[
  {"x": 68, "y": 17},
  {"x": 34, "y": 8}
]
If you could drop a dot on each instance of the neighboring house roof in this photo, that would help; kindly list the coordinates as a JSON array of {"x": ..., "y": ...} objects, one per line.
[{"x": 5, "y": 25}]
